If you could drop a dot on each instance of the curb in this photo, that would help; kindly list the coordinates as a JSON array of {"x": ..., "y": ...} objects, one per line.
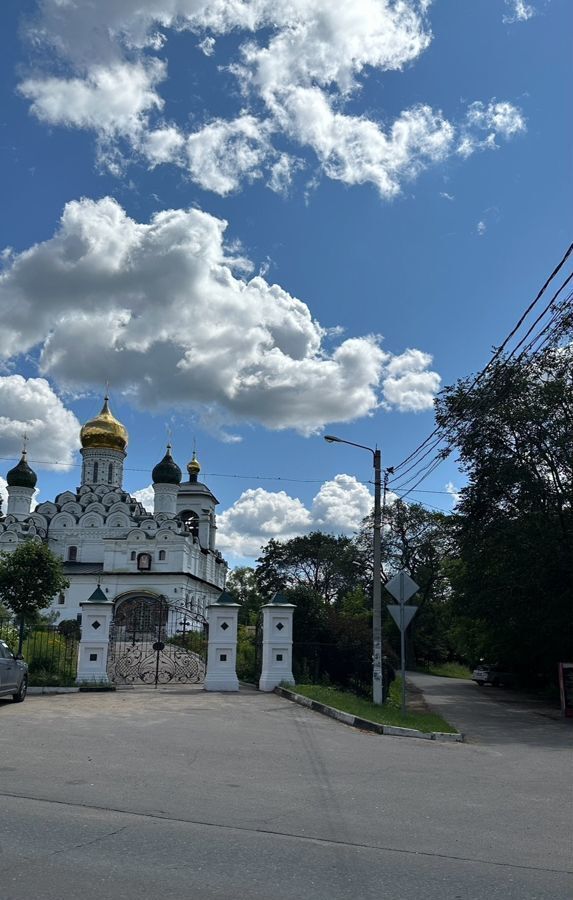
[
  {"x": 53, "y": 690},
  {"x": 366, "y": 724}
]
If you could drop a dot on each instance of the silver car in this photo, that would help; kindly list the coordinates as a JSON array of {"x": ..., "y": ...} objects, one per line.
[{"x": 13, "y": 674}]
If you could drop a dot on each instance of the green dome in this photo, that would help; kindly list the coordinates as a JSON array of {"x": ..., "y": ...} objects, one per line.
[
  {"x": 167, "y": 471},
  {"x": 22, "y": 475}
]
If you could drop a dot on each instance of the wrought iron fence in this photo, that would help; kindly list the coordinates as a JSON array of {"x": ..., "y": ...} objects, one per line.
[{"x": 52, "y": 657}]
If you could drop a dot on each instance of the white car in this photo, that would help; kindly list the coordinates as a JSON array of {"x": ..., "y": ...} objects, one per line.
[{"x": 13, "y": 674}]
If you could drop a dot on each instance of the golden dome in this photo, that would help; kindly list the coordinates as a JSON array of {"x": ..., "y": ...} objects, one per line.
[
  {"x": 194, "y": 467},
  {"x": 104, "y": 432}
]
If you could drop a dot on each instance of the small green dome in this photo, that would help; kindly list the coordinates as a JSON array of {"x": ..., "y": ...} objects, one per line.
[
  {"x": 22, "y": 475},
  {"x": 167, "y": 471}
]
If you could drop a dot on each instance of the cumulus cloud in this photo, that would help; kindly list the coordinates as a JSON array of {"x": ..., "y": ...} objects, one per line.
[
  {"x": 29, "y": 406},
  {"x": 168, "y": 313},
  {"x": 454, "y": 492},
  {"x": 259, "y": 515},
  {"x": 298, "y": 66},
  {"x": 481, "y": 227},
  {"x": 145, "y": 496},
  {"x": 408, "y": 384}
]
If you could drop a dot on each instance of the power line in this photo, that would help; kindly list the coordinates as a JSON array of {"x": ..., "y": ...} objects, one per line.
[{"x": 438, "y": 429}]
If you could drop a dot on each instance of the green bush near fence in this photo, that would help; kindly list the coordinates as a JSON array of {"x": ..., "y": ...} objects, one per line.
[{"x": 52, "y": 659}]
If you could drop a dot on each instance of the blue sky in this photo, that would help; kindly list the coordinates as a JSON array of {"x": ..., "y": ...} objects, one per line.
[{"x": 395, "y": 183}]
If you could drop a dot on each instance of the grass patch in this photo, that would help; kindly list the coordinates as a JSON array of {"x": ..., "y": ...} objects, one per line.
[
  {"x": 389, "y": 714},
  {"x": 448, "y": 670}
]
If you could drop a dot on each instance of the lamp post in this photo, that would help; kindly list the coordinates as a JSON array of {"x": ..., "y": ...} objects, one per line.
[{"x": 377, "y": 678}]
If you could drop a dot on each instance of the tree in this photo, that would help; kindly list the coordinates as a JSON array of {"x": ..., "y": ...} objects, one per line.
[
  {"x": 29, "y": 577},
  {"x": 418, "y": 541},
  {"x": 329, "y": 566},
  {"x": 514, "y": 529},
  {"x": 242, "y": 585}
]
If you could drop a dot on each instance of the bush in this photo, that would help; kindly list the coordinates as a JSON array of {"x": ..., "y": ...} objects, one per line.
[
  {"x": 70, "y": 628},
  {"x": 246, "y": 655}
]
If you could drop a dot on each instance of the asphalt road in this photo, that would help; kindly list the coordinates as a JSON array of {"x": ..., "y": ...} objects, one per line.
[{"x": 147, "y": 794}]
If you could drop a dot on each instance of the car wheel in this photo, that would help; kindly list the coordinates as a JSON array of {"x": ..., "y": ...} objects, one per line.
[{"x": 21, "y": 694}]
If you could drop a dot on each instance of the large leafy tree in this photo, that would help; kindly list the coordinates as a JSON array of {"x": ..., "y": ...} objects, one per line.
[
  {"x": 243, "y": 586},
  {"x": 327, "y": 565},
  {"x": 418, "y": 541},
  {"x": 514, "y": 435},
  {"x": 30, "y": 576}
]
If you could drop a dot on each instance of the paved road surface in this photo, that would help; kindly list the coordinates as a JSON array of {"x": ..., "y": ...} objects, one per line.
[
  {"x": 495, "y": 717},
  {"x": 183, "y": 794}
]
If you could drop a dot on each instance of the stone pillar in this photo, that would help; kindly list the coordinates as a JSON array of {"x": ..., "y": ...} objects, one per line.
[
  {"x": 277, "y": 643},
  {"x": 223, "y": 617},
  {"x": 92, "y": 653}
]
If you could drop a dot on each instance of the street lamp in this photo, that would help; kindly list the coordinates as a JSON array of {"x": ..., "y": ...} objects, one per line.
[{"x": 377, "y": 682}]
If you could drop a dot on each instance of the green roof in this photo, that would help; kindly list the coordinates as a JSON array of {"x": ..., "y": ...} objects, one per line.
[
  {"x": 279, "y": 599},
  {"x": 98, "y": 596}
]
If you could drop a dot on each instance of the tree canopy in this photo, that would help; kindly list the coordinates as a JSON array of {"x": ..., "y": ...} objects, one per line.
[{"x": 30, "y": 576}]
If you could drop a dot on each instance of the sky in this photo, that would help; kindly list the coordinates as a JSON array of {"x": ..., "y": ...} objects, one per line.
[{"x": 261, "y": 222}]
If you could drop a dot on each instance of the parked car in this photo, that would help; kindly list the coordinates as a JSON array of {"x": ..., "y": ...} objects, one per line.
[
  {"x": 494, "y": 674},
  {"x": 13, "y": 674}
]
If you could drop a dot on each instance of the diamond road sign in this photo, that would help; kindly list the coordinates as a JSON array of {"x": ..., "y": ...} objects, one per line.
[
  {"x": 402, "y": 587},
  {"x": 409, "y": 613}
]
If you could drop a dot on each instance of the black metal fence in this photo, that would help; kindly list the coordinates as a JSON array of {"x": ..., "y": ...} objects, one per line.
[
  {"x": 345, "y": 664},
  {"x": 52, "y": 657}
]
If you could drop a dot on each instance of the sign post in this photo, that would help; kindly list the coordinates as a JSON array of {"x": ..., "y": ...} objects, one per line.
[{"x": 402, "y": 587}]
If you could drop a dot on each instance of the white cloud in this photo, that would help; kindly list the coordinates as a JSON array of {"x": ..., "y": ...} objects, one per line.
[
  {"x": 4, "y": 494},
  {"x": 299, "y": 64},
  {"x": 30, "y": 406},
  {"x": 447, "y": 196},
  {"x": 520, "y": 11},
  {"x": 222, "y": 153},
  {"x": 166, "y": 312},
  {"x": 481, "y": 227},
  {"x": 453, "y": 491},
  {"x": 498, "y": 119},
  {"x": 146, "y": 497},
  {"x": 109, "y": 99},
  {"x": 408, "y": 385},
  {"x": 259, "y": 515}
]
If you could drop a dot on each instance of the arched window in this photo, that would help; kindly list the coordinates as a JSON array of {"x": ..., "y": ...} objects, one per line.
[
  {"x": 191, "y": 520},
  {"x": 133, "y": 554},
  {"x": 162, "y": 554},
  {"x": 72, "y": 554},
  {"x": 110, "y": 473},
  {"x": 95, "y": 471},
  {"x": 144, "y": 562}
]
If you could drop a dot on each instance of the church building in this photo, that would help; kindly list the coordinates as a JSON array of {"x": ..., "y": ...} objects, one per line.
[{"x": 107, "y": 537}]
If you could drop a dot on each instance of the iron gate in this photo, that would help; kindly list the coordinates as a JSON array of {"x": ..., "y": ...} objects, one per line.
[{"x": 153, "y": 642}]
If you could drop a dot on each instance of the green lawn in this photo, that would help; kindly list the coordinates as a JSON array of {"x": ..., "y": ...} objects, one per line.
[
  {"x": 448, "y": 670},
  {"x": 389, "y": 714}
]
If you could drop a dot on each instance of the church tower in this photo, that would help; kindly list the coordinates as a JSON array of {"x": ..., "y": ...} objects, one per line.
[
  {"x": 103, "y": 440},
  {"x": 21, "y": 481}
]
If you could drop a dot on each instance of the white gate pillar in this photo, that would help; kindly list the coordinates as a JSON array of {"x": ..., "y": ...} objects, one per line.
[
  {"x": 277, "y": 643},
  {"x": 97, "y": 613},
  {"x": 223, "y": 618}
]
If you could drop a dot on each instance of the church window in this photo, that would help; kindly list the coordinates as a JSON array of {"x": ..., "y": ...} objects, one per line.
[
  {"x": 72, "y": 554},
  {"x": 110, "y": 473},
  {"x": 95, "y": 471},
  {"x": 144, "y": 562},
  {"x": 61, "y": 599},
  {"x": 191, "y": 520},
  {"x": 133, "y": 554},
  {"x": 162, "y": 554}
]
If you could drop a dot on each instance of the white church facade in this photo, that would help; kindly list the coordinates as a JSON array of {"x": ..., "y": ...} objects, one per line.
[{"x": 106, "y": 537}]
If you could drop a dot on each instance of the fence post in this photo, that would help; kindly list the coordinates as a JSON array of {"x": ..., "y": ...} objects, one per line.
[
  {"x": 277, "y": 643},
  {"x": 93, "y": 649},
  {"x": 223, "y": 617}
]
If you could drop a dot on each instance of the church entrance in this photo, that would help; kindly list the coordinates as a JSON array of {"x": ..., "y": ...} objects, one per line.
[{"x": 154, "y": 642}]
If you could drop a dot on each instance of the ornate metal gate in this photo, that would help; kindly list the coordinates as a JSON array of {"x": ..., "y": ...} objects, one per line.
[{"x": 153, "y": 642}]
